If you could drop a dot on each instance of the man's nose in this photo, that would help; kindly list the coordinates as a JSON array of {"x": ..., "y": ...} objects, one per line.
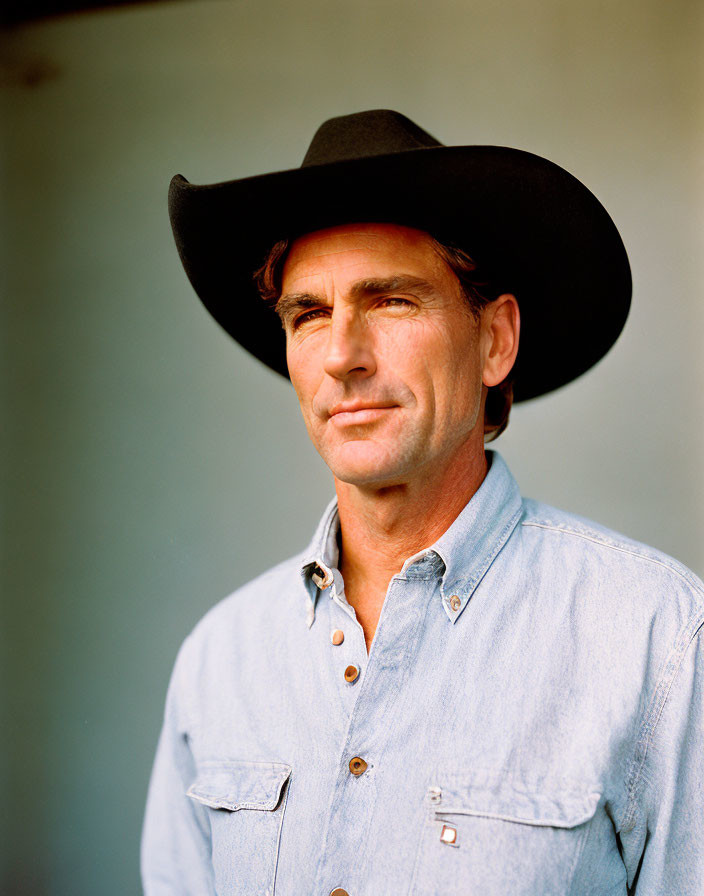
[{"x": 349, "y": 350}]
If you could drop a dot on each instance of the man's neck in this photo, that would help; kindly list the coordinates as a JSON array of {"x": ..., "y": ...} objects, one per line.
[{"x": 380, "y": 527}]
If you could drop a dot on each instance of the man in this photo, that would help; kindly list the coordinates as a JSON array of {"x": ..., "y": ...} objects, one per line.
[{"x": 452, "y": 690}]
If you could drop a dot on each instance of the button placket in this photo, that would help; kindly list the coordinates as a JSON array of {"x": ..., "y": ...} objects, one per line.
[
  {"x": 347, "y": 654},
  {"x": 370, "y": 703},
  {"x": 351, "y": 671}
]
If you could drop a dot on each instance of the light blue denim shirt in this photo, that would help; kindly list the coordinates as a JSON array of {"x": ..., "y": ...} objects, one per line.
[{"x": 529, "y": 720}]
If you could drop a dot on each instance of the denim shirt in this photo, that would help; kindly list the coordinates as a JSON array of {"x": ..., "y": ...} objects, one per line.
[{"x": 529, "y": 720}]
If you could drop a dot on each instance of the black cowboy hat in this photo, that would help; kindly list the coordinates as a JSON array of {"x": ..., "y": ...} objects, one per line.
[{"x": 540, "y": 232}]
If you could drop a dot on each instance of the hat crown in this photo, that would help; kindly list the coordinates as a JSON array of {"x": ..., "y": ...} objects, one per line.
[{"x": 377, "y": 132}]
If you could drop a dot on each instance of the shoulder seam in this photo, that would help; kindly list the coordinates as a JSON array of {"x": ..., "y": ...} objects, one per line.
[{"x": 593, "y": 537}]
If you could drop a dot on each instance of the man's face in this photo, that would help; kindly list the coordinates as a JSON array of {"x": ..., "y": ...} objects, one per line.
[{"x": 383, "y": 352}]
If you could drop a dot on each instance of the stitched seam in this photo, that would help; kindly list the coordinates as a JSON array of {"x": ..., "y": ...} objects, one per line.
[
  {"x": 624, "y": 549},
  {"x": 405, "y": 578},
  {"x": 653, "y": 716},
  {"x": 287, "y": 785}
]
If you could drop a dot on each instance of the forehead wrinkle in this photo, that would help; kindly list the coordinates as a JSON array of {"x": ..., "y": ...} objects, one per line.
[
  {"x": 343, "y": 250},
  {"x": 343, "y": 232},
  {"x": 323, "y": 255}
]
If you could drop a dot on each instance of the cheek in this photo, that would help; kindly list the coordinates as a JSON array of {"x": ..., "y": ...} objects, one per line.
[
  {"x": 307, "y": 379},
  {"x": 305, "y": 357},
  {"x": 414, "y": 345},
  {"x": 457, "y": 379},
  {"x": 301, "y": 379},
  {"x": 441, "y": 357}
]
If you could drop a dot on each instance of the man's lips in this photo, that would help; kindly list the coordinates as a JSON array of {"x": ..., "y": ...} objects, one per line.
[{"x": 356, "y": 412}]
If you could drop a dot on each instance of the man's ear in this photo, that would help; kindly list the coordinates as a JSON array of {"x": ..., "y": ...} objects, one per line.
[{"x": 501, "y": 325}]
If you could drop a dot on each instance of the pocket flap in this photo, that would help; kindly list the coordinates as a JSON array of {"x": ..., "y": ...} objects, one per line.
[
  {"x": 556, "y": 810},
  {"x": 239, "y": 784}
]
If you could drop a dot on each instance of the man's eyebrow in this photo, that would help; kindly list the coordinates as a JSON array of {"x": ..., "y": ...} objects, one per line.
[
  {"x": 293, "y": 302},
  {"x": 398, "y": 283}
]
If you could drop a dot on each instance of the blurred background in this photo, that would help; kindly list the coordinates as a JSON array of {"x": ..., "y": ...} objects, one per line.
[{"x": 150, "y": 465}]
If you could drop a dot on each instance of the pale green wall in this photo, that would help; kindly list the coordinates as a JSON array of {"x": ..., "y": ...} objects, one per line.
[{"x": 151, "y": 465}]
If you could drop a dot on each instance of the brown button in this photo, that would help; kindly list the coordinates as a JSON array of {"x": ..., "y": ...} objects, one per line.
[
  {"x": 337, "y": 637},
  {"x": 358, "y": 766},
  {"x": 338, "y": 891},
  {"x": 455, "y": 602},
  {"x": 351, "y": 674}
]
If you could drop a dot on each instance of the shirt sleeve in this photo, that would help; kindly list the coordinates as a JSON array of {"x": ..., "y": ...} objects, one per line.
[
  {"x": 667, "y": 831},
  {"x": 175, "y": 856}
]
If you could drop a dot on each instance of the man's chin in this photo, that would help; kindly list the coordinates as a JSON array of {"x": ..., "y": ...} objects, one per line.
[
  {"x": 369, "y": 474},
  {"x": 375, "y": 463}
]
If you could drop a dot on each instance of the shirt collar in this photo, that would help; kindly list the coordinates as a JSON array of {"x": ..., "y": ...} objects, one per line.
[
  {"x": 470, "y": 545},
  {"x": 466, "y": 550}
]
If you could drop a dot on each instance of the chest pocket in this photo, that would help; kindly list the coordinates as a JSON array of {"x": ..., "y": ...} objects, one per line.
[
  {"x": 495, "y": 839},
  {"x": 245, "y": 803}
]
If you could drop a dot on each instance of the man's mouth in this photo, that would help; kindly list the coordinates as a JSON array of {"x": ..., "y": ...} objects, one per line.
[{"x": 348, "y": 413}]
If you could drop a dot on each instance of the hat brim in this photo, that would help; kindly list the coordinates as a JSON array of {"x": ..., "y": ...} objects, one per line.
[{"x": 538, "y": 230}]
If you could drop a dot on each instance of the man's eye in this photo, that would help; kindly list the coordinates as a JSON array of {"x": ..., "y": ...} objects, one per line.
[
  {"x": 396, "y": 301},
  {"x": 309, "y": 315}
]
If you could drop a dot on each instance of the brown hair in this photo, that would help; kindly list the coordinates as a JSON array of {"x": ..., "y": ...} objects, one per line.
[{"x": 477, "y": 289}]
